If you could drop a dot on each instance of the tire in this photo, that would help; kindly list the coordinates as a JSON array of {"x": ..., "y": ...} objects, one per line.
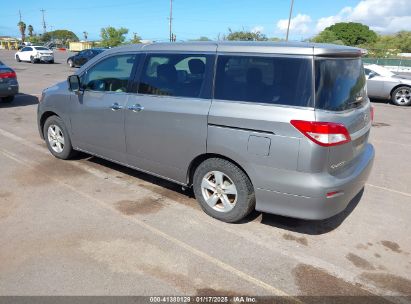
[
  {"x": 59, "y": 143},
  {"x": 70, "y": 63},
  {"x": 206, "y": 185},
  {"x": 401, "y": 96},
  {"x": 18, "y": 58},
  {"x": 32, "y": 60},
  {"x": 51, "y": 61},
  {"x": 8, "y": 99}
]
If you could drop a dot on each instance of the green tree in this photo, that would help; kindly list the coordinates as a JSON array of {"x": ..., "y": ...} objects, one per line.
[
  {"x": 111, "y": 36},
  {"x": 327, "y": 36},
  {"x": 402, "y": 41},
  {"x": 22, "y": 29},
  {"x": 352, "y": 33},
  {"x": 136, "y": 39},
  {"x": 245, "y": 36},
  {"x": 60, "y": 36},
  {"x": 30, "y": 29}
]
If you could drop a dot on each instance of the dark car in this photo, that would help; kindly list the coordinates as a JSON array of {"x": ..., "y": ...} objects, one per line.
[
  {"x": 82, "y": 57},
  {"x": 8, "y": 83}
]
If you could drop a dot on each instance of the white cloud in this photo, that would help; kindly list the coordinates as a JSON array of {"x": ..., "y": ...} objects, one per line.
[
  {"x": 385, "y": 16},
  {"x": 300, "y": 24},
  {"x": 257, "y": 29}
]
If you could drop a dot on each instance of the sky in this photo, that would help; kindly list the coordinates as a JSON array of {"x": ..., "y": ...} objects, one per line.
[{"x": 210, "y": 18}]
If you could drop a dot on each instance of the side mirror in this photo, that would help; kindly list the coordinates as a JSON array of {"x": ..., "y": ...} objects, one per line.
[
  {"x": 372, "y": 75},
  {"x": 74, "y": 83}
]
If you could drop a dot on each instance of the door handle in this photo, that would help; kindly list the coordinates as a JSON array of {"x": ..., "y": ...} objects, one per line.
[
  {"x": 136, "y": 108},
  {"x": 115, "y": 106}
]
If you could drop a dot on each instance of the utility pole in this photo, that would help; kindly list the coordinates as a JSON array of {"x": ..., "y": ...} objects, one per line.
[
  {"x": 289, "y": 19},
  {"x": 44, "y": 22},
  {"x": 171, "y": 21}
]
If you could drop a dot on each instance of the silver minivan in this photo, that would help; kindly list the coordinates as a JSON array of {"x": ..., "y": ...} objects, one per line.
[{"x": 278, "y": 127}]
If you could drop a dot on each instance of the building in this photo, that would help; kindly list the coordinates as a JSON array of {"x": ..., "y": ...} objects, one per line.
[{"x": 9, "y": 43}]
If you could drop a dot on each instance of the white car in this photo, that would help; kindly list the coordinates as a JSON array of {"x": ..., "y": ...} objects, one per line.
[
  {"x": 35, "y": 54},
  {"x": 384, "y": 84}
]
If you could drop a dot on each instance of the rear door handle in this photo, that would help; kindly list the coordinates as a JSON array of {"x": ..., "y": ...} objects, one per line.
[
  {"x": 115, "y": 106},
  {"x": 136, "y": 108}
]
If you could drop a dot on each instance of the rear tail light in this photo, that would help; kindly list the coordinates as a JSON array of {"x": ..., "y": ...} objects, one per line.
[
  {"x": 8, "y": 74},
  {"x": 325, "y": 134}
]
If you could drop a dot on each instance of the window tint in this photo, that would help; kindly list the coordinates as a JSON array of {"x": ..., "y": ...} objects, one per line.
[
  {"x": 29, "y": 49},
  {"x": 174, "y": 75},
  {"x": 339, "y": 84},
  {"x": 273, "y": 80},
  {"x": 111, "y": 74},
  {"x": 367, "y": 71}
]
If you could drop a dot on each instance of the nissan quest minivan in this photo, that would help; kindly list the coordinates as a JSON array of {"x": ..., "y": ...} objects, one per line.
[{"x": 278, "y": 127}]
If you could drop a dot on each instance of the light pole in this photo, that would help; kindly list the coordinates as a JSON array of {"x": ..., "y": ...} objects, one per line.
[
  {"x": 171, "y": 20},
  {"x": 289, "y": 19}
]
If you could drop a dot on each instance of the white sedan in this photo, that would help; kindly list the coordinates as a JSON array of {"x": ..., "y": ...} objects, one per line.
[{"x": 35, "y": 54}]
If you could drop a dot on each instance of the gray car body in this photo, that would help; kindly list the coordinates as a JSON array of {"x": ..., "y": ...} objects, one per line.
[
  {"x": 290, "y": 174},
  {"x": 8, "y": 86},
  {"x": 382, "y": 86}
]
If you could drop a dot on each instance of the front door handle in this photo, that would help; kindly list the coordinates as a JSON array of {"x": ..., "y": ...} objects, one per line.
[
  {"x": 136, "y": 108},
  {"x": 115, "y": 106}
]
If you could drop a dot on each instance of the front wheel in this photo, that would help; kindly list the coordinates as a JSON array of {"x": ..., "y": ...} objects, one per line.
[
  {"x": 401, "y": 96},
  {"x": 223, "y": 190},
  {"x": 70, "y": 63},
  {"x": 18, "y": 58},
  {"x": 57, "y": 138}
]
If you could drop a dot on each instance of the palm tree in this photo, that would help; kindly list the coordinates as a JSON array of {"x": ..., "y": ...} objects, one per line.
[
  {"x": 22, "y": 28},
  {"x": 85, "y": 34},
  {"x": 30, "y": 29}
]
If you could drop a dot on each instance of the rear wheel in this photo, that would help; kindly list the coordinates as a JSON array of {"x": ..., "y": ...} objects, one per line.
[
  {"x": 401, "y": 96},
  {"x": 223, "y": 190},
  {"x": 18, "y": 58},
  {"x": 57, "y": 138}
]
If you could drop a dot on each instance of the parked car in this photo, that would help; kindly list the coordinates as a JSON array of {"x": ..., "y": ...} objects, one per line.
[
  {"x": 9, "y": 86},
  {"x": 384, "y": 84},
  {"x": 83, "y": 56},
  {"x": 35, "y": 54},
  {"x": 236, "y": 121}
]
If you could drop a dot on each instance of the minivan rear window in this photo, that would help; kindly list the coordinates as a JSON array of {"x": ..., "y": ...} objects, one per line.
[
  {"x": 271, "y": 80},
  {"x": 339, "y": 84}
]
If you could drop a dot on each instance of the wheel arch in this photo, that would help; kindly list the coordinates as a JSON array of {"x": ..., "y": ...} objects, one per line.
[
  {"x": 398, "y": 86},
  {"x": 43, "y": 119},
  {"x": 201, "y": 158}
]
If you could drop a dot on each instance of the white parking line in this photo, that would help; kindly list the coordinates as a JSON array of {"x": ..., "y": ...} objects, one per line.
[
  {"x": 390, "y": 190},
  {"x": 179, "y": 243}
]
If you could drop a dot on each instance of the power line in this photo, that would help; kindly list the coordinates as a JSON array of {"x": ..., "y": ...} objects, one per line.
[{"x": 44, "y": 22}]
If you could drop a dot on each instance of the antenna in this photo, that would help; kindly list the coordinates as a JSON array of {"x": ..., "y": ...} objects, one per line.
[{"x": 44, "y": 22}]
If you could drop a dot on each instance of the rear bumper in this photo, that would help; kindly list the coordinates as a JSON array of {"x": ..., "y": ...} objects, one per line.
[
  {"x": 311, "y": 201},
  {"x": 8, "y": 89}
]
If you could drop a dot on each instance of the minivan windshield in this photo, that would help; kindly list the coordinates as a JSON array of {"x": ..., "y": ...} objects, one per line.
[{"x": 339, "y": 84}]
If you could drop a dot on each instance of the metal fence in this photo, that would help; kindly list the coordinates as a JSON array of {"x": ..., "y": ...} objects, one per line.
[{"x": 393, "y": 64}]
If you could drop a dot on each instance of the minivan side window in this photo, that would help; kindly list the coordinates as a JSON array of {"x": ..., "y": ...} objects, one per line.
[
  {"x": 182, "y": 75},
  {"x": 111, "y": 74},
  {"x": 271, "y": 80}
]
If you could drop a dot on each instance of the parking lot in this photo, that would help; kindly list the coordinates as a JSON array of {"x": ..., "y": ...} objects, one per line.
[{"x": 91, "y": 227}]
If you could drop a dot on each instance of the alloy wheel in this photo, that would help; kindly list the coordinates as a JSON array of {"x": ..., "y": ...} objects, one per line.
[{"x": 219, "y": 191}]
